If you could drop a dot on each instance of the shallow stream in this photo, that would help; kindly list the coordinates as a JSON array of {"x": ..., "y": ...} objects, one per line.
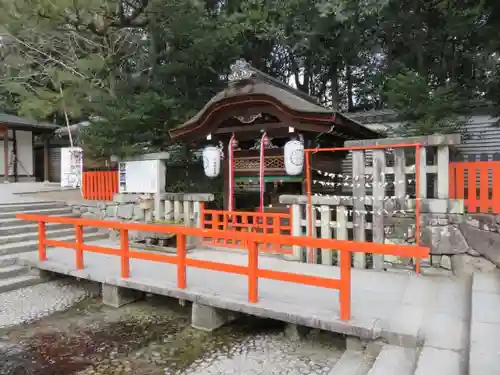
[{"x": 154, "y": 337}]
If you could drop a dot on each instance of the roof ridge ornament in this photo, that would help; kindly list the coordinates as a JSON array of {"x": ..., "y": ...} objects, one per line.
[{"x": 240, "y": 71}]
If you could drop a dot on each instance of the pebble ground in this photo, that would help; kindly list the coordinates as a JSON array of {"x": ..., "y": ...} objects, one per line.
[{"x": 61, "y": 328}]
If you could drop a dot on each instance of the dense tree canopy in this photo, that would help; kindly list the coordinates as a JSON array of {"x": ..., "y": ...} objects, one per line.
[{"x": 147, "y": 65}]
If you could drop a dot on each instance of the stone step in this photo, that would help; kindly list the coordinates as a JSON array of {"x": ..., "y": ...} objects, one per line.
[
  {"x": 44, "y": 211},
  {"x": 484, "y": 351},
  {"x": 352, "y": 362},
  {"x": 22, "y": 247},
  {"x": 12, "y": 271},
  {"x": 13, "y": 222},
  {"x": 30, "y": 227},
  {"x": 18, "y": 282},
  {"x": 10, "y": 259},
  {"x": 440, "y": 361},
  {"x": 394, "y": 360},
  {"x": 13, "y": 207},
  {"x": 50, "y": 233}
]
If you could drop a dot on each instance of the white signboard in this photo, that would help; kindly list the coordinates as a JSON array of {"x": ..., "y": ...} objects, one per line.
[
  {"x": 71, "y": 167},
  {"x": 141, "y": 176}
]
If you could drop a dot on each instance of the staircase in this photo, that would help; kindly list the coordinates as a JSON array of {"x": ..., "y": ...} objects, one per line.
[
  {"x": 386, "y": 359},
  {"x": 19, "y": 236}
]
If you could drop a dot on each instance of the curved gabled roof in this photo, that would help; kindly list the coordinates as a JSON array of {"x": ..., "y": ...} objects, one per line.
[{"x": 252, "y": 93}]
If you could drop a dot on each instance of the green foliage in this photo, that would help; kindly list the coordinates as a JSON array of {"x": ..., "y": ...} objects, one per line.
[
  {"x": 423, "y": 109},
  {"x": 145, "y": 66}
]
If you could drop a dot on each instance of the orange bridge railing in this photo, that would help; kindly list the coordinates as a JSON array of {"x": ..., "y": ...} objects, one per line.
[
  {"x": 99, "y": 185},
  {"x": 247, "y": 222},
  {"x": 252, "y": 270}
]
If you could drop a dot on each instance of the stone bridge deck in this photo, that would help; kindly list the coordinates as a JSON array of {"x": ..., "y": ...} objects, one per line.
[{"x": 401, "y": 309}]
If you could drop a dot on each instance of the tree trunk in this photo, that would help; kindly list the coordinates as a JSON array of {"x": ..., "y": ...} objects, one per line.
[
  {"x": 348, "y": 77},
  {"x": 335, "y": 87}
]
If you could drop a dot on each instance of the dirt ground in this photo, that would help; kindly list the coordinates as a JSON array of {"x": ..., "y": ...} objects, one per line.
[{"x": 73, "y": 195}]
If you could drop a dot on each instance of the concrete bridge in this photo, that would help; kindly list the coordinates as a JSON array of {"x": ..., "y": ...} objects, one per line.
[{"x": 403, "y": 323}]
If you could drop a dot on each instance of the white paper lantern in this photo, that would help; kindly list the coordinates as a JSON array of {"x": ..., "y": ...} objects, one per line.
[
  {"x": 294, "y": 158},
  {"x": 211, "y": 161}
]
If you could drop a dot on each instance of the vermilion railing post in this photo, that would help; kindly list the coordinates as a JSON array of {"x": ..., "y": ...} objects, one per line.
[
  {"x": 215, "y": 226},
  {"x": 202, "y": 215},
  {"x": 79, "y": 247},
  {"x": 84, "y": 185},
  {"x": 253, "y": 266},
  {"x": 495, "y": 194},
  {"x": 345, "y": 289},
  {"x": 42, "y": 246},
  {"x": 124, "y": 249},
  {"x": 181, "y": 261}
]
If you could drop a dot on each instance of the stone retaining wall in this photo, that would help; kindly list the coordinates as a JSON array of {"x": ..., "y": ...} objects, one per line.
[
  {"x": 125, "y": 209},
  {"x": 462, "y": 243},
  {"x": 174, "y": 208}
]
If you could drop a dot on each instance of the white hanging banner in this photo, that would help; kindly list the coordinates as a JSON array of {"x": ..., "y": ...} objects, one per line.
[{"x": 71, "y": 167}]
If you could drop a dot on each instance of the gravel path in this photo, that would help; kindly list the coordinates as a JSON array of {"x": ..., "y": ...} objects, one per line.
[{"x": 28, "y": 304}]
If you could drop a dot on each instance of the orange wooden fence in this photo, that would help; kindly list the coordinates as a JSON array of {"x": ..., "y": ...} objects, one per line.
[
  {"x": 478, "y": 184},
  {"x": 255, "y": 222},
  {"x": 100, "y": 185},
  {"x": 252, "y": 271}
]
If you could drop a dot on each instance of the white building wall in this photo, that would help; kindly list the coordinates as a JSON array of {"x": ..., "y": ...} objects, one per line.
[
  {"x": 24, "y": 154},
  {"x": 482, "y": 135}
]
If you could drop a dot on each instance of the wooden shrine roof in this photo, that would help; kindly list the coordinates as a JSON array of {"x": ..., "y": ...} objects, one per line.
[
  {"x": 21, "y": 123},
  {"x": 252, "y": 93}
]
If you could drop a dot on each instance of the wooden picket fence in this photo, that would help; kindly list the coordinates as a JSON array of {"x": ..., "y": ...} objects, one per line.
[
  {"x": 478, "y": 184},
  {"x": 99, "y": 185}
]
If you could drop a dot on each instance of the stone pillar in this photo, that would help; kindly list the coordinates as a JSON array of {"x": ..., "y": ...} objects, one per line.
[
  {"x": 116, "y": 296},
  {"x": 160, "y": 190},
  {"x": 440, "y": 231},
  {"x": 46, "y": 159},
  {"x": 207, "y": 318},
  {"x": 296, "y": 332},
  {"x": 354, "y": 343}
]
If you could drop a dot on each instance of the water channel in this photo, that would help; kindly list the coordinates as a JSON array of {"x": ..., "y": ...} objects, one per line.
[{"x": 154, "y": 337}]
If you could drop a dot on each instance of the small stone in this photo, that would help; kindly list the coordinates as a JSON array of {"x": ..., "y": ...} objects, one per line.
[
  {"x": 464, "y": 264},
  {"x": 473, "y": 252},
  {"x": 436, "y": 260},
  {"x": 473, "y": 222},
  {"x": 444, "y": 240},
  {"x": 446, "y": 262}
]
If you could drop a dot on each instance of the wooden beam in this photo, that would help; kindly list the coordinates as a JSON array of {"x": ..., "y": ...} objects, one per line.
[
  {"x": 247, "y": 136},
  {"x": 46, "y": 159},
  {"x": 14, "y": 154},
  {"x": 309, "y": 127},
  {"x": 33, "y": 154},
  {"x": 250, "y": 128},
  {"x": 6, "y": 154}
]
